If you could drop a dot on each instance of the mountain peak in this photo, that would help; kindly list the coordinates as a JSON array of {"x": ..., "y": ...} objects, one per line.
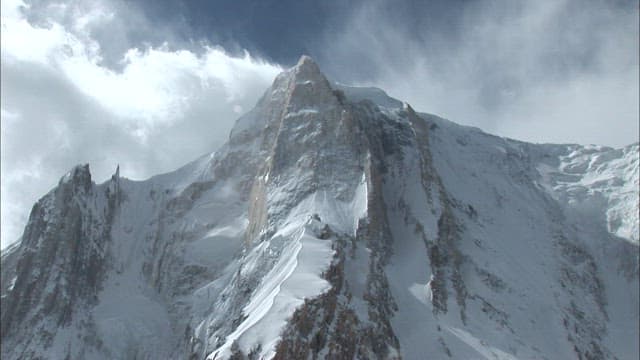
[
  {"x": 307, "y": 64},
  {"x": 306, "y": 59},
  {"x": 80, "y": 174},
  {"x": 307, "y": 70}
]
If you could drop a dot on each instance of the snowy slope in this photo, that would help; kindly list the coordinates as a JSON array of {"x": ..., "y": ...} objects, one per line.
[{"x": 336, "y": 223}]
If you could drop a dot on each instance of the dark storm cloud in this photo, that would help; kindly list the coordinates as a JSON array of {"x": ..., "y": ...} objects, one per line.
[{"x": 278, "y": 30}]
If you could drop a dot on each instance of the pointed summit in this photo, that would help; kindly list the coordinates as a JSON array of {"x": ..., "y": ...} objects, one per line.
[
  {"x": 299, "y": 90},
  {"x": 306, "y": 62},
  {"x": 308, "y": 88},
  {"x": 305, "y": 59},
  {"x": 116, "y": 176},
  {"x": 114, "y": 185},
  {"x": 80, "y": 174},
  {"x": 78, "y": 178},
  {"x": 307, "y": 70}
]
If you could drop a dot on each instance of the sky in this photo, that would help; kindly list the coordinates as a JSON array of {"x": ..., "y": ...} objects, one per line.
[{"x": 153, "y": 84}]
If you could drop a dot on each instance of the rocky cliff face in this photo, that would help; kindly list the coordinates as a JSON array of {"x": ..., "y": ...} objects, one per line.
[
  {"x": 336, "y": 223},
  {"x": 60, "y": 265}
]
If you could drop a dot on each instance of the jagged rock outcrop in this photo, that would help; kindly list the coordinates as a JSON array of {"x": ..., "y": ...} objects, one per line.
[
  {"x": 336, "y": 223},
  {"x": 60, "y": 263}
]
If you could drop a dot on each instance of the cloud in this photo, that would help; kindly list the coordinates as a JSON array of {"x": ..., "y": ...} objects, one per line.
[
  {"x": 63, "y": 104},
  {"x": 542, "y": 71}
]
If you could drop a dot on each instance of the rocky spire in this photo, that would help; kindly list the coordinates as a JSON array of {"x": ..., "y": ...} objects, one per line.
[
  {"x": 302, "y": 88},
  {"x": 308, "y": 87},
  {"x": 114, "y": 185},
  {"x": 116, "y": 175},
  {"x": 307, "y": 69},
  {"x": 79, "y": 177}
]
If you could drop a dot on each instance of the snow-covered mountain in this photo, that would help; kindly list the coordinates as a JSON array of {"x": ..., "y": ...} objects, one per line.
[{"x": 336, "y": 223}]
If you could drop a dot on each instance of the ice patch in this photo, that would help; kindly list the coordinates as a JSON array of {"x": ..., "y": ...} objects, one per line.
[
  {"x": 489, "y": 352},
  {"x": 422, "y": 292},
  {"x": 301, "y": 112},
  {"x": 12, "y": 283}
]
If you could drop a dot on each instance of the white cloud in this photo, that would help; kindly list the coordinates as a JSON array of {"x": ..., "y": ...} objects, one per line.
[
  {"x": 542, "y": 71},
  {"x": 62, "y": 106}
]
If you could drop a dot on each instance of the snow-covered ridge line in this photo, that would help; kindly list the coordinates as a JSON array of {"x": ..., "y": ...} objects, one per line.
[
  {"x": 293, "y": 278},
  {"x": 298, "y": 273}
]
